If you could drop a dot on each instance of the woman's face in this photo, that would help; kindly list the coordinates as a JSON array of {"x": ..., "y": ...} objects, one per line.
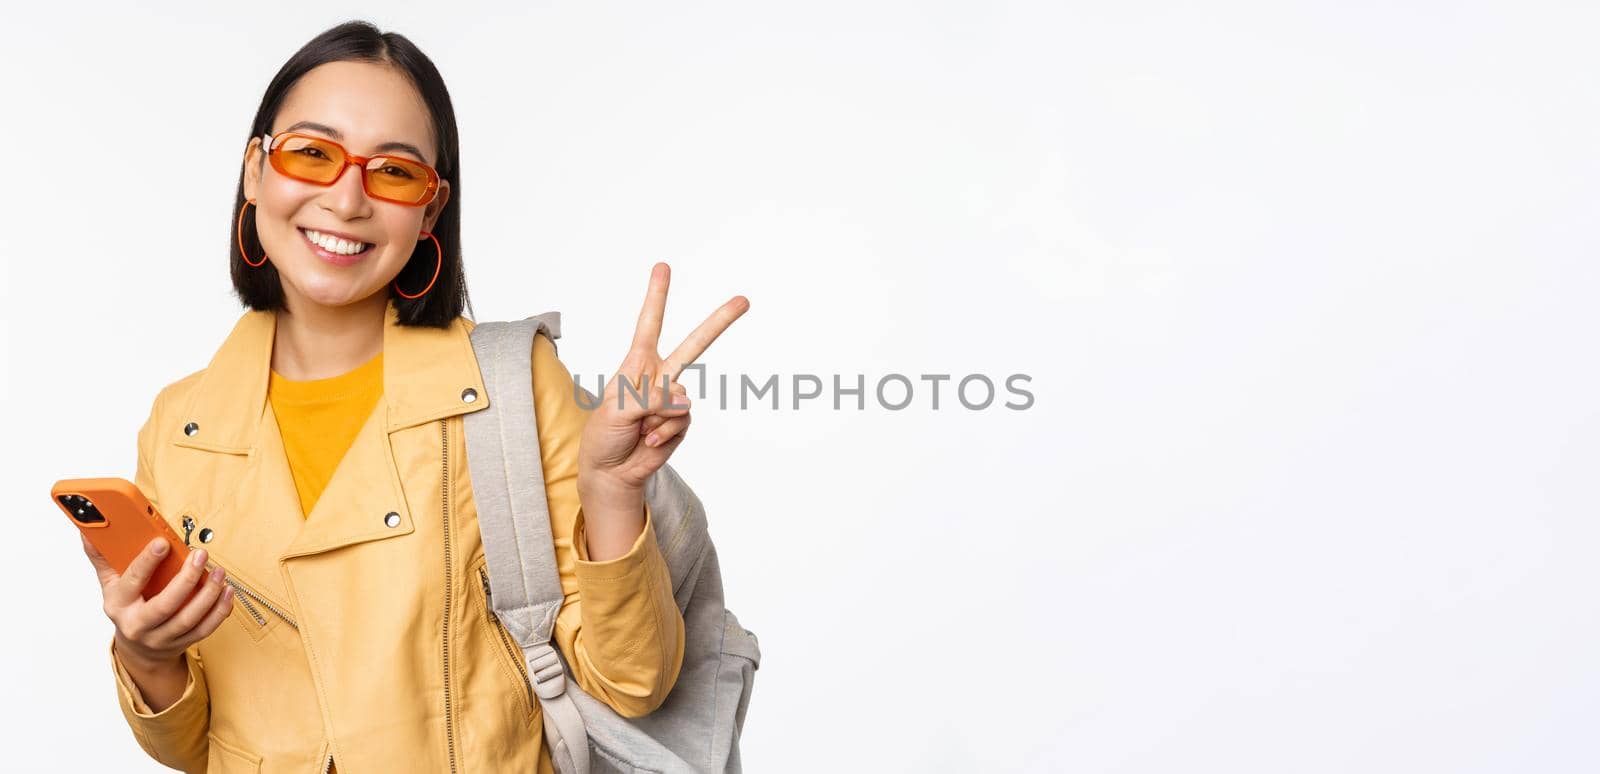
[{"x": 361, "y": 106}]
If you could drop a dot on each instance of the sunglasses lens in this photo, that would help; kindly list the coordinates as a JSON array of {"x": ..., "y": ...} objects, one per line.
[
  {"x": 321, "y": 161},
  {"x": 397, "y": 179},
  {"x": 308, "y": 158}
]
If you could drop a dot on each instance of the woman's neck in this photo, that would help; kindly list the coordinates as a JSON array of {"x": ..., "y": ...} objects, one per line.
[{"x": 313, "y": 341}]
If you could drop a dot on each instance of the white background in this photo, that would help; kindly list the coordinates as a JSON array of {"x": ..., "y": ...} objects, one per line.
[{"x": 1307, "y": 292}]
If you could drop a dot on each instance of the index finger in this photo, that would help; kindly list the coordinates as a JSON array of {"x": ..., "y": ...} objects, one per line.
[
  {"x": 647, "y": 333},
  {"x": 701, "y": 337}
]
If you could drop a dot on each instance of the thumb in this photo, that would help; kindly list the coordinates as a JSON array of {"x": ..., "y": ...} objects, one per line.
[
  {"x": 641, "y": 396},
  {"x": 141, "y": 570}
]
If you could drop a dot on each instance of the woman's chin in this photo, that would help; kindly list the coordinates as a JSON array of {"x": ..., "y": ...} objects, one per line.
[{"x": 324, "y": 290}]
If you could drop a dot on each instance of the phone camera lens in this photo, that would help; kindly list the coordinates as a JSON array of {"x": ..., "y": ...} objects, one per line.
[{"x": 83, "y": 511}]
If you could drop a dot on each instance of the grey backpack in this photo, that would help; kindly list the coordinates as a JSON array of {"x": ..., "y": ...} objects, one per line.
[{"x": 697, "y": 728}]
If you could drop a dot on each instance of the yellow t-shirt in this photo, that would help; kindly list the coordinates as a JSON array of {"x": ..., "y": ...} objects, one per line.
[{"x": 319, "y": 419}]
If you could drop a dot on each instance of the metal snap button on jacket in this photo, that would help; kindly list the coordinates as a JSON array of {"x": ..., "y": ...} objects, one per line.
[
  {"x": 191, "y": 429},
  {"x": 469, "y": 395},
  {"x": 392, "y": 519},
  {"x": 206, "y": 535}
]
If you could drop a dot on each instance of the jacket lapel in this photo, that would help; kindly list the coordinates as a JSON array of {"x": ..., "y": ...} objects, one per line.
[
  {"x": 355, "y": 505},
  {"x": 429, "y": 373},
  {"x": 258, "y": 518}
]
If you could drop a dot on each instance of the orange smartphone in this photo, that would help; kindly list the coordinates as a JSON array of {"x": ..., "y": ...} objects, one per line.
[{"x": 117, "y": 519}]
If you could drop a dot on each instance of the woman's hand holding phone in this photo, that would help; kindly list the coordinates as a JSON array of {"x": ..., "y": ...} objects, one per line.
[{"x": 153, "y": 633}]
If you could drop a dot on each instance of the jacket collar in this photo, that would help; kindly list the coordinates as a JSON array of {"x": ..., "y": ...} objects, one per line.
[
  {"x": 257, "y": 518},
  {"x": 427, "y": 374}
]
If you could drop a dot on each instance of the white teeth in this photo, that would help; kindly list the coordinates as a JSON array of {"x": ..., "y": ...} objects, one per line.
[{"x": 334, "y": 244}]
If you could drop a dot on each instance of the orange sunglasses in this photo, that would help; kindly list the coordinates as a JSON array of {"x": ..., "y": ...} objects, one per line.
[{"x": 321, "y": 161}]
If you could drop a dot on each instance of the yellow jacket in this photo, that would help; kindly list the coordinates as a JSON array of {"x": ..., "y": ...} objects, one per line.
[{"x": 360, "y": 633}]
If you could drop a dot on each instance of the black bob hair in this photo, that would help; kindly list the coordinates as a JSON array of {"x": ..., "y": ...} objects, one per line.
[{"x": 259, "y": 287}]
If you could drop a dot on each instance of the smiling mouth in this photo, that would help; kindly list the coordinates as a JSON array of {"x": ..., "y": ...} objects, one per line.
[{"x": 334, "y": 247}]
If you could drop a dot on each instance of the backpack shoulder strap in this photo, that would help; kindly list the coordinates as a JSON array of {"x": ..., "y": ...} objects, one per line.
[
  {"x": 504, "y": 460},
  {"x": 507, "y": 470}
]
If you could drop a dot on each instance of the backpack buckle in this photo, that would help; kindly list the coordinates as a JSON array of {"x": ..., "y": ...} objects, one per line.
[{"x": 545, "y": 670}]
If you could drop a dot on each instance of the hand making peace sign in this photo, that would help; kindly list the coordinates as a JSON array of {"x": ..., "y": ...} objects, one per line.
[{"x": 623, "y": 445}]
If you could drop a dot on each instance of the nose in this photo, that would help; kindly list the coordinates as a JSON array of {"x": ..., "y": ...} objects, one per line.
[{"x": 346, "y": 197}]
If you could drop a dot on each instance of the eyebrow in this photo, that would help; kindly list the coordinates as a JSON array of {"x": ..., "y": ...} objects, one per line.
[{"x": 335, "y": 134}]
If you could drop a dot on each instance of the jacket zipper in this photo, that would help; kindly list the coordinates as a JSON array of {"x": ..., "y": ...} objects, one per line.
[
  {"x": 243, "y": 592},
  {"x": 444, "y": 494},
  {"x": 245, "y": 595},
  {"x": 505, "y": 639},
  {"x": 327, "y": 765}
]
